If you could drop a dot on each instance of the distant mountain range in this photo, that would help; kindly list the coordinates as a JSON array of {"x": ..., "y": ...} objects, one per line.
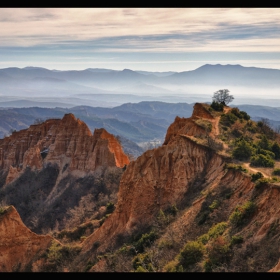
[
  {"x": 94, "y": 86},
  {"x": 206, "y": 74},
  {"x": 141, "y": 122},
  {"x": 137, "y": 122}
]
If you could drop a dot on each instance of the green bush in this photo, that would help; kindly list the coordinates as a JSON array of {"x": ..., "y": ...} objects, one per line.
[
  {"x": 219, "y": 252},
  {"x": 242, "y": 213},
  {"x": 215, "y": 204},
  {"x": 240, "y": 114},
  {"x": 217, "y": 229},
  {"x": 204, "y": 124},
  {"x": 262, "y": 182},
  {"x": 228, "y": 119},
  {"x": 236, "y": 240},
  {"x": 243, "y": 150},
  {"x": 217, "y": 106},
  {"x": 110, "y": 207},
  {"x": 213, "y": 232},
  {"x": 235, "y": 167},
  {"x": 263, "y": 143},
  {"x": 191, "y": 253},
  {"x": 276, "y": 171},
  {"x": 265, "y": 153},
  {"x": 142, "y": 263},
  {"x": 2, "y": 210},
  {"x": 173, "y": 266},
  {"x": 146, "y": 240},
  {"x": 262, "y": 161},
  {"x": 275, "y": 148},
  {"x": 256, "y": 176},
  {"x": 245, "y": 116}
]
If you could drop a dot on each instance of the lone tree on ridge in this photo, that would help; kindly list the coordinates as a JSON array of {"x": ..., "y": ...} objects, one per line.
[{"x": 222, "y": 96}]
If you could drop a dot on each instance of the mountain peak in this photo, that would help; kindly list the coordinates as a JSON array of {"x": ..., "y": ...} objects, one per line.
[{"x": 55, "y": 140}]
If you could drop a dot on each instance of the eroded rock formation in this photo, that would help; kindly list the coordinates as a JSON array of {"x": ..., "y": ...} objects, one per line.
[
  {"x": 176, "y": 173},
  {"x": 66, "y": 141},
  {"x": 19, "y": 246}
]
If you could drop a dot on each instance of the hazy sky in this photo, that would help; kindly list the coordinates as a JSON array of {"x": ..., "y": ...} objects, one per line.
[{"x": 152, "y": 39}]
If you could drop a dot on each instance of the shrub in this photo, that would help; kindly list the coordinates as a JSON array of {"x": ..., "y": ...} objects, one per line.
[
  {"x": 173, "y": 266},
  {"x": 245, "y": 116},
  {"x": 191, "y": 253},
  {"x": 276, "y": 171},
  {"x": 213, "y": 232},
  {"x": 215, "y": 204},
  {"x": 219, "y": 252},
  {"x": 2, "y": 210},
  {"x": 146, "y": 240},
  {"x": 263, "y": 143},
  {"x": 275, "y": 148},
  {"x": 266, "y": 153},
  {"x": 262, "y": 182},
  {"x": 58, "y": 255},
  {"x": 202, "y": 217},
  {"x": 228, "y": 119},
  {"x": 235, "y": 167},
  {"x": 256, "y": 176},
  {"x": 142, "y": 263},
  {"x": 217, "y": 106},
  {"x": 236, "y": 240},
  {"x": 243, "y": 150},
  {"x": 240, "y": 114},
  {"x": 217, "y": 230},
  {"x": 242, "y": 213},
  {"x": 204, "y": 124},
  {"x": 110, "y": 207},
  {"x": 262, "y": 160}
]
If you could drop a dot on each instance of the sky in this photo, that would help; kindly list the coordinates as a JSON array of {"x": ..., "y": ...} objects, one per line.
[{"x": 150, "y": 39}]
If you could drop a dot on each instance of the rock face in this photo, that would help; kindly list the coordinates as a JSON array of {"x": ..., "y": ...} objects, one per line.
[
  {"x": 160, "y": 178},
  {"x": 19, "y": 247},
  {"x": 66, "y": 141},
  {"x": 176, "y": 173}
]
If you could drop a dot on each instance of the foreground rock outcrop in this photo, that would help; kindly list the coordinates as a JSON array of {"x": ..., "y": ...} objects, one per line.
[
  {"x": 190, "y": 174},
  {"x": 160, "y": 178},
  {"x": 20, "y": 248}
]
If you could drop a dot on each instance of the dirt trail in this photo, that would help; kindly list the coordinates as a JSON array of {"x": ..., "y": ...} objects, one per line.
[
  {"x": 247, "y": 165},
  {"x": 216, "y": 130}
]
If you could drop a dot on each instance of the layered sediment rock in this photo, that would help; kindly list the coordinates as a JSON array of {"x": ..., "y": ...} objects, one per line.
[
  {"x": 176, "y": 173},
  {"x": 160, "y": 178},
  {"x": 19, "y": 246},
  {"x": 59, "y": 141}
]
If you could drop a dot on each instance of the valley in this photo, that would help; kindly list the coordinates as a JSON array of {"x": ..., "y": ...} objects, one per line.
[{"x": 194, "y": 203}]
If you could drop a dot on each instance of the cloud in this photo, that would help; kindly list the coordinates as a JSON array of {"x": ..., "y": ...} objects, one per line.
[
  {"x": 81, "y": 24},
  {"x": 88, "y": 32}
]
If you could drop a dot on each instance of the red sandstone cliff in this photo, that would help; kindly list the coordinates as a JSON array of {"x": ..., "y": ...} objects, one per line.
[
  {"x": 67, "y": 141},
  {"x": 19, "y": 247},
  {"x": 170, "y": 175},
  {"x": 160, "y": 178}
]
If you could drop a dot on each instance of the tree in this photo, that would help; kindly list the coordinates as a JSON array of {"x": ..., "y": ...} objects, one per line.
[
  {"x": 222, "y": 96},
  {"x": 243, "y": 150}
]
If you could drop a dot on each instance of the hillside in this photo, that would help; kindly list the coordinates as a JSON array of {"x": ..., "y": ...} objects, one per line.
[
  {"x": 189, "y": 197},
  {"x": 205, "y": 200},
  {"x": 52, "y": 168}
]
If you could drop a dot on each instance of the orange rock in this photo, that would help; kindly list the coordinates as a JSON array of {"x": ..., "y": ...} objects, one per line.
[
  {"x": 19, "y": 247},
  {"x": 160, "y": 178},
  {"x": 68, "y": 139}
]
